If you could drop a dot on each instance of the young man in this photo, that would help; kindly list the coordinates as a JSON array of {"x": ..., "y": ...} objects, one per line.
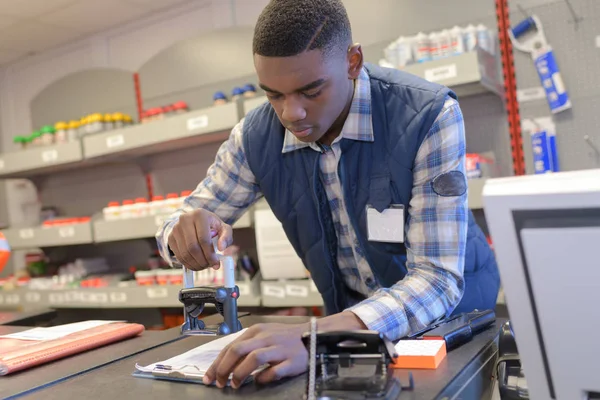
[{"x": 337, "y": 144}]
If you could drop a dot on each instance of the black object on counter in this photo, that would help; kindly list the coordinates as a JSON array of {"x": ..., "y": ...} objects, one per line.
[
  {"x": 339, "y": 352},
  {"x": 461, "y": 329},
  {"x": 224, "y": 299}
]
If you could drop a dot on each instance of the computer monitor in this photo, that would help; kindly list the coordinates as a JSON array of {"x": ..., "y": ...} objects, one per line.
[{"x": 546, "y": 234}]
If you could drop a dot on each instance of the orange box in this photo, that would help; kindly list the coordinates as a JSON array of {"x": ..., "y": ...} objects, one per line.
[{"x": 419, "y": 354}]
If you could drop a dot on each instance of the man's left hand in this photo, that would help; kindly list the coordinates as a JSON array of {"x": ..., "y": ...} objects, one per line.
[{"x": 278, "y": 345}]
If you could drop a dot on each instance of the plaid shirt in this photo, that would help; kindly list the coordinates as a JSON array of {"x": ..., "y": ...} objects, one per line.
[{"x": 435, "y": 229}]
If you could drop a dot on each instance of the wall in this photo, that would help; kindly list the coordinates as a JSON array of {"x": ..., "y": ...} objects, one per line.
[
  {"x": 85, "y": 191},
  {"x": 579, "y": 61}
]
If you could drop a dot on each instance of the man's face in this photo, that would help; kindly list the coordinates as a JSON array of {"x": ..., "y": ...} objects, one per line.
[{"x": 307, "y": 91}]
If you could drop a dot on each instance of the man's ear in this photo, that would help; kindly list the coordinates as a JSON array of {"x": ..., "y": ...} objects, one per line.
[{"x": 355, "y": 61}]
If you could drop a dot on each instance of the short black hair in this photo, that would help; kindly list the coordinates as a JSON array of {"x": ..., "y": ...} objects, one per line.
[{"x": 289, "y": 27}]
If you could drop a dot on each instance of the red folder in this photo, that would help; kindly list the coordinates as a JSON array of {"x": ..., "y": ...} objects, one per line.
[{"x": 17, "y": 355}]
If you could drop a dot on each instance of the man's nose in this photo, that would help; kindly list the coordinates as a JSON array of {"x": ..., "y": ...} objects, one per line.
[{"x": 293, "y": 110}]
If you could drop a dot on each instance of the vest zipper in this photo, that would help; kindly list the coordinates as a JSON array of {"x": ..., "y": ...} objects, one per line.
[
  {"x": 325, "y": 241},
  {"x": 350, "y": 208}
]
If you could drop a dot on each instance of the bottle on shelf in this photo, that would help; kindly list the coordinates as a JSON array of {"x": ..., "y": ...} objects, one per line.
[
  {"x": 422, "y": 47},
  {"x": 219, "y": 99},
  {"x": 47, "y": 135},
  {"x": 157, "y": 205},
  {"x": 127, "y": 120},
  {"x": 73, "y": 131},
  {"x": 112, "y": 212},
  {"x": 484, "y": 39},
  {"x": 118, "y": 121},
  {"x": 36, "y": 138},
  {"x": 457, "y": 40},
  {"x": 172, "y": 202},
  {"x": 249, "y": 90},
  {"x": 60, "y": 134},
  {"x": 180, "y": 107},
  {"x": 83, "y": 126},
  {"x": 445, "y": 42},
  {"x": 127, "y": 209},
  {"x": 21, "y": 142},
  {"x": 236, "y": 93},
  {"x": 96, "y": 124},
  {"x": 140, "y": 208},
  {"x": 107, "y": 122},
  {"x": 470, "y": 37}
]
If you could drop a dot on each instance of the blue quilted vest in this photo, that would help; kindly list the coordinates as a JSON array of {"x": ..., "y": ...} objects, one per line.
[{"x": 378, "y": 173}]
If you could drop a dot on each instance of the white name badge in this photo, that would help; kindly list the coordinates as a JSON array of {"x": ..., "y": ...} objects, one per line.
[{"x": 386, "y": 226}]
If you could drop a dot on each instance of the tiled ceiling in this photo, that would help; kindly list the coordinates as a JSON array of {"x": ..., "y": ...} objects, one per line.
[{"x": 32, "y": 26}]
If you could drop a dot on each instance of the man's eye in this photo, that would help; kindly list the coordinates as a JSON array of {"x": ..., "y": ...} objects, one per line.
[
  {"x": 311, "y": 95},
  {"x": 273, "y": 96}
]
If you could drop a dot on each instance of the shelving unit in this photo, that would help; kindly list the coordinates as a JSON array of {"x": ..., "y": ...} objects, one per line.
[
  {"x": 40, "y": 160},
  {"x": 67, "y": 235},
  {"x": 290, "y": 293},
  {"x": 466, "y": 74},
  {"x": 207, "y": 125},
  {"x": 115, "y": 297},
  {"x": 143, "y": 227}
]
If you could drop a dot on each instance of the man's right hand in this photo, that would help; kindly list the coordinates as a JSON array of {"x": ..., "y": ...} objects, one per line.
[{"x": 191, "y": 239}]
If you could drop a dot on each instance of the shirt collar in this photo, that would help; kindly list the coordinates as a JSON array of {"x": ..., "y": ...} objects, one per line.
[{"x": 358, "y": 124}]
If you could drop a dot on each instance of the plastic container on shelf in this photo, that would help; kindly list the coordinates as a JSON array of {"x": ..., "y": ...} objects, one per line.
[
  {"x": 153, "y": 114},
  {"x": 162, "y": 276},
  {"x": 421, "y": 47},
  {"x": 127, "y": 209},
  {"x": 73, "y": 131},
  {"x": 20, "y": 141},
  {"x": 445, "y": 42},
  {"x": 112, "y": 212},
  {"x": 60, "y": 134},
  {"x": 172, "y": 203},
  {"x": 404, "y": 51},
  {"x": 118, "y": 120},
  {"x": 180, "y": 107},
  {"x": 107, "y": 122},
  {"x": 434, "y": 45},
  {"x": 457, "y": 40},
  {"x": 219, "y": 99},
  {"x": 484, "y": 39},
  {"x": 470, "y": 37},
  {"x": 156, "y": 206},
  {"x": 236, "y": 93},
  {"x": 249, "y": 90},
  {"x": 96, "y": 124},
  {"x": 185, "y": 194},
  {"x": 145, "y": 278},
  {"x": 175, "y": 276},
  {"x": 82, "y": 129},
  {"x": 127, "y": 120},
  {"x": 36, "y": 139},
  {"x": 47, "y": 132},
  {"x": 140, "y": 207}
]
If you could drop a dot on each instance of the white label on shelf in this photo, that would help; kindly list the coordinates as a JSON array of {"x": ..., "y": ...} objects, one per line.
[
  {"x": 99, "y": 298},
  {"x": 12, "y": 299},
  {"x": 33, "y": 297},
  {"x": 441, "y": 73},
  {"x": 598, "y": 41},
  {"x": 1, "y": 163},
  {"x": 26, "y": 234},
  {"x": 159, "y": 219},
  {"x": 244, "y": 289},
  {"x": 275, "y": 291},
  {"x": 118, "y": 297},
  {"x": 49, "y": 155},
  {"x": 531, "y": 94},
  {"x": 73, "y": 297},
  {"x": 115, "y": 141},
  {"x": 198, "y": 122},
  {"x": 157, "y": 293},
  {"x": 313, "y": 287},
  {"x": 56, "y": 298},
  {"x": 66, "y": 232},
  {"x": 296, "y": 291}
]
